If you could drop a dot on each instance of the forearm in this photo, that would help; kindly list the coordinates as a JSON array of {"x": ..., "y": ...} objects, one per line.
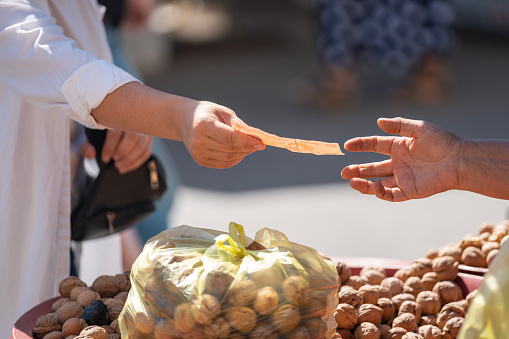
[
  {"x": 138, "y": 108},
  {"x": 483, "y": 167}
]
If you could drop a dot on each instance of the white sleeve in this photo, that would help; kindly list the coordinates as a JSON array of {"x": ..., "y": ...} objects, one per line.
[{"x": 46, "y": 68}]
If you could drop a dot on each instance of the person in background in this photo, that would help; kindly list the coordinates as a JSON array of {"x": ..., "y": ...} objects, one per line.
[
  {"x": 57, "y": 68},
  {"x": 398, "y": 38}
]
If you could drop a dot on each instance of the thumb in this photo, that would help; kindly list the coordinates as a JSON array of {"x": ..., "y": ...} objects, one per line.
[{"x": 87, "y": 150}]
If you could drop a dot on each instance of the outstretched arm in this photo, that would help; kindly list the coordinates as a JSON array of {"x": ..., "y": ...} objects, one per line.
[{"x": 426, "y": 160}]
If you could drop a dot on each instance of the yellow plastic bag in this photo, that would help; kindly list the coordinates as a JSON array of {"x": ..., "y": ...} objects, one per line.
[
  {"x": 488, "y": 314},
  {"x": 198, "y": 283}
]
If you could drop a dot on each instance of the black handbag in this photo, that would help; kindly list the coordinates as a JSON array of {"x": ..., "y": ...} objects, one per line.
[{"x": 113, "y": 202}]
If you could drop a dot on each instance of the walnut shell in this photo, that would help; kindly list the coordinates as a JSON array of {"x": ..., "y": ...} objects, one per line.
[
  {"x": 57, "y": 304},
  {"x": 452, "y": 328},
  {"x": 123, "y": 282},
  {"x": 46, "y": 324},
  {"x": 221, "y": 328},
  {"x": 206, "y": 310},
  {"x": 398, "y": 299},
  {"x": 413, "y": 285},
  {"x": 384, "y": 329},
  {"x": 76, "y": 291},
  {"x": 490, "y": 257},
  {"x": 486, "y": 227},
  {"x": 430, "y": 332},
  {"x": 113, "y": 302},
  {"x": 263, "y": 331},
  {"x": 54, "y": 335},
  {"x": 420, "y": 266},
  {"x": 448, "y": 291},
  {"x": 69, "y": 310},
  {"x": 449, "y": 311},
  {"x": 96, "y": 332},
  {"x": 411, "y": 335},
  {"x": 394, "y": 285},
  {"x": 68, "y": 284},
  {"x": 473, "y": 256},
  {"x": 350, "y": 296},
  {"x": 450, "y": 251},
  {"x": 489, "y": 246},
  {"x": 470, "y": 297},
  {"x": 429, "y": 301},
  {"x": 413, "y": 307},
  {"x": 374, "y": 277},
  {"x": 241, "y": 318},
  {"x": 367, "y": 331},
  {"x": 317, "y": 307},
  {"x": 166, "y": 329},
  {"x": 428, "y": 319},
  {"x": 497, "y": 236},
  {"x": 86, "y": 297},
  {"x": 106, "y": 286},
  {"x": 356, "y": 281},
  {"x": 471, "y": 240},
  {"x": 344, "y": 272},
  {"x": 295, "y": 290},
  {"x": 122, "y": 296},
  {"x": 403, "y": 274},
  {"x": 388, "y": 308},
  {"x": 373, "y": 267},
  {"x": 346, "y": 316},
  {"x": 446, "y": 267},
  {"x": 73, "y": 326},
  {"x": 145, "y": 323},
  {"x": 242, "y": 293},
  {"x": 343, "y": 334},
  {"x": 405, "y": 320},
  {"x": 429, "y": 280},
  {"x": 395, "y": 333},
  {"x": 286, "y": 318},
  {"x": 184, "y": 320},
  {"x": 266, "y": 300},
  {"x": 432, "y": 253},
  {"x": 114, "y": 312},
  {"x": 370, "y": 313},
  {"x": 108, "y": 329},
  {"x": 369, "y": 294}
]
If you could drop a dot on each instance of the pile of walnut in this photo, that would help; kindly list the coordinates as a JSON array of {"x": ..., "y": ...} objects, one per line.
[
  {"x": 85, "y": 312},
  {"x": 421, "y": 301},
  {"x": 476, "y": 250}
]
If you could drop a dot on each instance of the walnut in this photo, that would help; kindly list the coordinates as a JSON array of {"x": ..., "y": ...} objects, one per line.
[
  {"x": 411, "y": 335},
  {"x": 266, "y": 300},
  {"x": 221, "y": 328},
  {"x": 373, "y": 267},
  {"x": 114, "y": 312},
  {"x": 96, "y": 332},
  {"x": 449, "y": 311},
  {"x": 374, "y": 277},
  {"x": 123, "y": 282},
  {"x": 429, "y": 301},
  {"x": 114, "y": 325},
  {"x": 485, "y": 236},
  {"x": 393, "y": 284},
  {"x": 272, "y": 276},
  {"x": 470, "y": 297},
  {"x": 109, "y": 329},
  {"x": 241, "y": 318},
  {"x": 57, "y": 304},
  {"x": 403, "y": 274},
  {"x": 388, "y": 308},
  {"x": 295, "y": 290},
  {"x": 343, "y": 334},
  {"x": 54, "y": 335},
  {"x": 166, "y": 329},
  {"x": 395, "y": 333},
  {"x": 413, "y": 285},
  {"x": 199, "y": 333},
  {"x": 446, "y": 267},
  {"x": 486, "y": 227},
  {"x": 432, "y": 253},
  {"x": 503, "y": 240},
  {"x": 473, "y": 256},
  {"x": 206, "y": 310},
  {"x": 413, "y": 307},
  {"x": 122, "y": 296},
  {"x": 452, "y": 328},
  {"x": 450, "y": 251},
  {"x": 490, "y": 257},
  {"x": 184, "y": 320},
  {"x": 106, "y": 286},
  {"x": 317, "y": 307},
  {"x": 405, "y": 320},
  {"x": 430, "y": 332},
  {"x": 344, "y": 272},
  {"x": 420, "y": 266},
  {"x": 370, "y": 313},
  {"x": 112, "y": 302},
  {"x": 429, "y": 280},
  {"x": 68, "y": 284},
  {"x": 242, "y": 293},
  {"x": 501, "y": 227},
  {"x": 217, "y": 283},
  {"x": 497, "y": 236},
  {"x": 298, "y": 333},
  {"x": 46, "y": 324},
  {"x": 69, "y": 310},
  {"x": 315, "y": 327},
  {"x": 367, "y": 331},
  {"x": 428, "y": 319},
  {"x": 398, "y": 299},
  {"x": 471, "y": 240},
  {"x": 350, "y": 296},
  {"x": 356, "y": 281},
  {"x": 448, "y": 291},
  {"x": 263, "y": 331},
  {"x": 86, "y": 297},
  {"x": 76, "y": 291},
  {"x": 489, "y": 246},
  {"x": 346, "y": 316},
  {"x": 73, "y": 326},
  {"x": 369, "y": 294},
  {"x": 285, "y": 318}
]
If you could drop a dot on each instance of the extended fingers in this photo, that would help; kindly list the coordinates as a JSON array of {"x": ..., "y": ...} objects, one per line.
[
  {"x": 404, "y": 127},
  {"x": 385, "y": 189},
  {"x": 375, "y": 144},
  {"x": 371, "y": 170}
]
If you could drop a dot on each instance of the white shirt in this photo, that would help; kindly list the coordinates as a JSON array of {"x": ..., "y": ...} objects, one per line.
[{"x": 54, "y": 66}]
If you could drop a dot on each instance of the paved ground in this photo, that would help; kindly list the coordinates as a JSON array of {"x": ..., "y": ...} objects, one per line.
[{"x": 303, "y": 195}]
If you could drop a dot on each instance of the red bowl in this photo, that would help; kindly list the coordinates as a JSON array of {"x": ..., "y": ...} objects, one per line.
[
  {"x": 473, "y": 270},
  {"x": 23, "y": 327}
]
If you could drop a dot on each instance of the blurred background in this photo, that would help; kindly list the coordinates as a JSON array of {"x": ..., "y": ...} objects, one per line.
[{"x": 326, "y": 70}]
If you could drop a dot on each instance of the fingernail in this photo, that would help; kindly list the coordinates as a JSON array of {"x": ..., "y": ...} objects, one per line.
[{"x": 258, "y": 147}]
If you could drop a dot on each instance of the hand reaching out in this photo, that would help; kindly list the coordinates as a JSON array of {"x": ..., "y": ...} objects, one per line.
[{"x": 423, "y": 161}]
